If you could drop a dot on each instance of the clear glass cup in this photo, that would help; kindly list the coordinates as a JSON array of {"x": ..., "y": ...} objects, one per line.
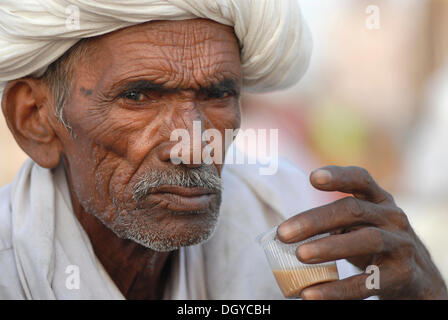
[{"x": 292, "y": 275}]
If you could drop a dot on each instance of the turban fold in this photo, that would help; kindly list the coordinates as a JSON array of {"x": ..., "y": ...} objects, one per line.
[{"x": 274, "y": 39}]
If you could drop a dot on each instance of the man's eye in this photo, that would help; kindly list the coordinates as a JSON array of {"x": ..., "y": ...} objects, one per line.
[
  {"x": 134, "y": 96},
  {"x": 218, "y": 95}
]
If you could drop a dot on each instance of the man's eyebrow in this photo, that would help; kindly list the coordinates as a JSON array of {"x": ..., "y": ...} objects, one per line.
[
  {"x": 144, "y": 85},
  {"x": 227, "y": 85}
]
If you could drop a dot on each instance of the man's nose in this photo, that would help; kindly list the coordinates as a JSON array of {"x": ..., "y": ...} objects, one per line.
[{"x": 187, "y": 146}]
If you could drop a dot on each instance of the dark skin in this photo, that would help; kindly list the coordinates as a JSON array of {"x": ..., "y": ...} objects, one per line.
[
  {"x": 366, "y": 229},
  {"x": 140, "y": 84}
]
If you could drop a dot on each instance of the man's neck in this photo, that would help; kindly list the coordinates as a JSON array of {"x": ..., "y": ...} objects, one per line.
[{"x": 138, "y": 272}]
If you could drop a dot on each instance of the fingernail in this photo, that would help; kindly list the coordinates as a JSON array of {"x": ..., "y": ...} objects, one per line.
[
  {"x": 311, "y": 294},
  {"x": 287, "y": 232},
  {"x": 321, "y": 176},
  {"x": 306, "y": 253}
]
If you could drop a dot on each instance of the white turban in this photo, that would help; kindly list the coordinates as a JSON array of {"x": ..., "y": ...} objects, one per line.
[{"x": 275, "y": 41}]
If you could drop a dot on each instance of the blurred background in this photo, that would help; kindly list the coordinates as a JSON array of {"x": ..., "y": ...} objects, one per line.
[{"x": 375, "y": 95}]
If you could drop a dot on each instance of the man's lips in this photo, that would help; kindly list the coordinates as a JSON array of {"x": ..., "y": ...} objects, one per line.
[
  {"x": 183, "y": 199},
  {"x": 182, "y": 191}
]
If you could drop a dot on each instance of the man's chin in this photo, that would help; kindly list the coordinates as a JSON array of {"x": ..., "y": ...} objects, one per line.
[
  {"x": 175, "y": 230},
  {"x": 166, "y": 246},
  {"x": 167, "y": 243}
]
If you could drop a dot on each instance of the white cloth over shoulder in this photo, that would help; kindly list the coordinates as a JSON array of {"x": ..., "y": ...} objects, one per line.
[
  {"x": 40, "y": 238},
  {"x": 274, "y": 39}
]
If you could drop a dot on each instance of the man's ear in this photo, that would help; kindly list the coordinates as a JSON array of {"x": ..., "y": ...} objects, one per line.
[{"x": 27, "y": 110}]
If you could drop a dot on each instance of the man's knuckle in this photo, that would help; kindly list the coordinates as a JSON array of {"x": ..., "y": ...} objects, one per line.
[
  {"x": 361, "y": 287},
  {"x": 388, "y": 196},
  {"x": 343, "y": 292},
  {"x": 352, "y": 289},
  {"x": 400, "y": 219},
  {"x": 407, "y": 248},
  {"x": 353, "y": 207},
  {"x": 365, "y": 176},
  {"x": 359, "y": 170},
  {"x": 375, "y": 237}
]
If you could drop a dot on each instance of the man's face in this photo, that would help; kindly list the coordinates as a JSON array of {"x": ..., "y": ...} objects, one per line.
[{"x": 142, "y": 83}]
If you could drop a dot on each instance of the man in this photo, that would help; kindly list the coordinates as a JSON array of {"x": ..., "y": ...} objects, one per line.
[{"x": 101, "y": 210}]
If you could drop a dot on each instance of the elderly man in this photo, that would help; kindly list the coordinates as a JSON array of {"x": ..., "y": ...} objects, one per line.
[{"x": 102, "y": 212}]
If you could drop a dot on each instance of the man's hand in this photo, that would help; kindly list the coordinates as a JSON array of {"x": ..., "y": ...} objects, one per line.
[{"x": 367, "y": 229}]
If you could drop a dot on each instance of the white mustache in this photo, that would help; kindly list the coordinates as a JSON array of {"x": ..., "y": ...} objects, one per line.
[{"x": 205, "y": 176}]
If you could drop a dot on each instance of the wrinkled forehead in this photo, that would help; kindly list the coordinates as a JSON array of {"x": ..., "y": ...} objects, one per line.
[{"x": 182, "y": 54}]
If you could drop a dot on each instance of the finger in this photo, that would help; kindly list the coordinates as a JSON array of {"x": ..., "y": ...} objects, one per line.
[
  {"x": 353, "y": 180},
  {"x": 364, "y": 241},
  {"x": 341, "y": 214},
  {"x": 351, "y": 288}
]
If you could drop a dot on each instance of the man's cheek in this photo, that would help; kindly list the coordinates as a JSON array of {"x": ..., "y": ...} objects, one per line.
[
  {"x": 112, "y": 138},
  {"x": 108, "y": 163},
  {"x": 112, "y": 130},
  {"x": 93, "y": 169}
]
